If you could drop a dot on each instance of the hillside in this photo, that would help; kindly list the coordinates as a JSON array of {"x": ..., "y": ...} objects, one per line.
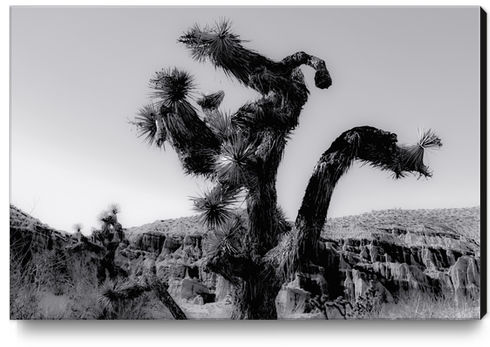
[
  {"x": 464, "y": 221},
  {"x": 177, "y": 226},
  {"x": 393, "y": 253},
  {"x": 461, "y": 220}
]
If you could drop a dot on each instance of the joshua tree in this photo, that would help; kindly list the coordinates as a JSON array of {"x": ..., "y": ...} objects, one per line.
[
  {"x": 241, "y": 152},
  {"x": 112, "y": 230},
  {"x": 77, "y": 227},
  {"x": 110, "y": 236}
]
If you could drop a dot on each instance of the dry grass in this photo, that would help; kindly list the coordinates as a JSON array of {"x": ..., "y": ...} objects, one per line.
[
  {"x": 56, "y": 285},
  {"x": 419, "y": 307}
]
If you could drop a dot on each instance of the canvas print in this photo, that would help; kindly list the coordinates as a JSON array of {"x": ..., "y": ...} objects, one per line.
[{"x": 249, "y": 163}]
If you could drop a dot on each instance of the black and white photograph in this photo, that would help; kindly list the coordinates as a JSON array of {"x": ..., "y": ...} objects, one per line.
[{"x": 247, "y": 163}]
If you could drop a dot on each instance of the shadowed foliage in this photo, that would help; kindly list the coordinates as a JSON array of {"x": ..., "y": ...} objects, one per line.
[{"x": 216, "y": 205}]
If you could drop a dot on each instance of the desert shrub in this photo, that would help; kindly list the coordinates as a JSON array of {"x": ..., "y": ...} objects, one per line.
[
  {"x": 46, "y": 270},
  {"x": 53, "y": 272},
  {"x": 24, "y": 304},
  {"x": 30, "y": 282},
  {"x": 83, "y": 288},
  {"x": 83, "y": 277},
  {"x": 24, "y": 296}
]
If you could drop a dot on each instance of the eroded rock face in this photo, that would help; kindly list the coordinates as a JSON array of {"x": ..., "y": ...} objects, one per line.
[
  {"x": 28, "y": 235},
  {"x": 292, "y": 298},
  {"x": 465, "y": 277},
  {"x": 175, "y": 248},
  {"x": 399, "y": 260},
  {"x": 393, "y": 259},
  {"x": 150, "y": 242},
  {"x": 438, "y": 258},
  {"x": 223, "y": 288}
]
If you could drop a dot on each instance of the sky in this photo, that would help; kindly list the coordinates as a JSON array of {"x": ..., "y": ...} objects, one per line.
[{"x": 77, "y": 75}]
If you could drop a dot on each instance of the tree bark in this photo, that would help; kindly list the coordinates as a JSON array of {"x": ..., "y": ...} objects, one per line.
[
  {"x": 255, "y": 297},
  {"x": 163, "y": 295}
]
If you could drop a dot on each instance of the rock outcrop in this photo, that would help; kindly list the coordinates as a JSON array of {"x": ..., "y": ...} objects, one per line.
[
  {"x": 395, "y": 252},
  {"x": 29, "y": 235},
  {"x": 149, "y": 241},
  {"x": 171, "y": 250},
  {"x": 424, "y": 255}
]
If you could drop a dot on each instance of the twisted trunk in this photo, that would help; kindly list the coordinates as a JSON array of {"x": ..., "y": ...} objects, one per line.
[
  {"x": 263, "y": 127},
  {"x": 255, "y": 298},
  {"x": 313, "y": 211}
]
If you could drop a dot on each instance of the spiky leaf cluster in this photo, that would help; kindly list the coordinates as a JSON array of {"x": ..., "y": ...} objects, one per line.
[
  {"x": 235, "y": 161},
  {"x": 412, "y": 156},
  {"x": 77, "y": 227},
  {"x": 380, "y": 149},
  {"x": 226, "y": 249},
  {"x": 226, "y": 238},
  {"x": 172, "y": 86},
  {"x": 223, "y": 48},
  {"x": 194, "y": 142},
  {"x": 211, "y": 101},
  {"x": 115, "y": 294},
  {"x": 148, "y": 126},
  {"x": 114, "y": 208},
  {"x": 221, "y": 125},
  {"x": 145, "y": 120},
  {"x": 109, "y": 216},
  {"x": 103, "y": 217},
  {"x": 216, "y": 205}
]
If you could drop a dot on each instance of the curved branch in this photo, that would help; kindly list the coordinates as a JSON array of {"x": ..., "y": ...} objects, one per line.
[
  {"x": 164, "y": 296},
  {"x": 225, "y": 50},
  {"x": 322, "y": 76},
  {"x": 368, "y": 144},
  {"x": 209, "y": 104}
]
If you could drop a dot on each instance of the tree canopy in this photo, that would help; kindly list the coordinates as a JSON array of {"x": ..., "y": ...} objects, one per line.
[{"x": 241, "y": 152}]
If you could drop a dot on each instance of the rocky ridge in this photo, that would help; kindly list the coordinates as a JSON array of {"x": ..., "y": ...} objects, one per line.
[
  {"x": 29, "y": 234},
  {"x": 397, "y": 252}
]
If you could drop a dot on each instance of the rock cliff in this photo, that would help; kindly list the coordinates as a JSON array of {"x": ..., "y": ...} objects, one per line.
[
  {"x": 395, "y": 252},
  {"x": 28, "y": 235}
]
